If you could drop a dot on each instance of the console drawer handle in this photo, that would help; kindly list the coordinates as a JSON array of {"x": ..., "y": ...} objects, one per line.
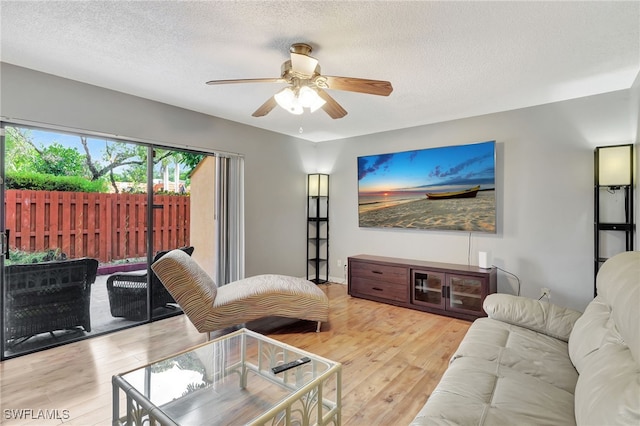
[
  {"x": 377, "y": 288},
  {"x": 377, "y": 272}
]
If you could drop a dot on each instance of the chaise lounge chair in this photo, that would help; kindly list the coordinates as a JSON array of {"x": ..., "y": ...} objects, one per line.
[{"x": 211, "y": 308}]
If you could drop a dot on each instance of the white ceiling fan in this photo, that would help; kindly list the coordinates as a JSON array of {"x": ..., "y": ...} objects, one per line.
[{"x": 307, "y": 86}]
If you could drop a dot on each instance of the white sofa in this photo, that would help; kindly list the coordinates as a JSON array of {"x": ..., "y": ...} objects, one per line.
[{"x": 531, "y": 362}]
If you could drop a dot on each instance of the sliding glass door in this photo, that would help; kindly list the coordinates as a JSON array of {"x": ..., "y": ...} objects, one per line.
[{"x": 83, "y": 217}]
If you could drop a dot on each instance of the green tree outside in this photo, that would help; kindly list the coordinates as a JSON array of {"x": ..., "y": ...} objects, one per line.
[{"x": 118, "y": 162}]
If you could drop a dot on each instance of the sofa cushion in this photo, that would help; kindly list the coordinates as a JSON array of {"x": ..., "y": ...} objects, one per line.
[
  {"x": 608, "y": 390},
  {"x": 479, "y": 392},
  {"x": 504, "y": 374},
  {"x": 536, "y": 315},
  {"x": 516, "y": 348},
  {"x": 604, "y": 347},
  {"x": 589, "y": 332},
  {"x": 618, "y": 282}
]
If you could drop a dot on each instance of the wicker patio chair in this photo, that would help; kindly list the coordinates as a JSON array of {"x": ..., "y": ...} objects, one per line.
[
  {"x": 48, "y": 296},
  {"x": 128, "y": 292}
]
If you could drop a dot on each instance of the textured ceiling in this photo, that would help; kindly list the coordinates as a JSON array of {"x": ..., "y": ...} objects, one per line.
[{"x": 446, "y": 60}]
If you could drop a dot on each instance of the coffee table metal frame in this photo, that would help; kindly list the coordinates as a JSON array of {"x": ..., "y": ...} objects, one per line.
[{"x": 140, "y": 410}]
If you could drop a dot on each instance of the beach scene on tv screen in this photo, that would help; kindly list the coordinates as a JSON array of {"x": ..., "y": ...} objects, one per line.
[{"x": 446, "y": 188}]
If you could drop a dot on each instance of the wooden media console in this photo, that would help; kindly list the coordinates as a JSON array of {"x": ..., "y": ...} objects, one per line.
[{"x": 441, "y": 288}]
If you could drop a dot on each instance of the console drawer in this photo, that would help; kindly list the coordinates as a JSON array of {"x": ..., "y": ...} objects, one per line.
[
  {"x": 372, "y": 271},
  {"x": 383, "y": 289}
]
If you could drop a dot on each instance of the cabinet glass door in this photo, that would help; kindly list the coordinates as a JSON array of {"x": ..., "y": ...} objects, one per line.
[
  {"x": 426, "y": 288},
  {"x": 465, "y": 293}
]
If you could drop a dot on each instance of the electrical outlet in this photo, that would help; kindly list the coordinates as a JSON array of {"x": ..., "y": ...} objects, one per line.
[
  {"x": 339, "y": 263},
  {"x": 545, "y": 292}
]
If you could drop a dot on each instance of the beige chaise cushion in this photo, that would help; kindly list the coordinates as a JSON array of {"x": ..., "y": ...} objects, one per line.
[{"x": 211, "y": 308}]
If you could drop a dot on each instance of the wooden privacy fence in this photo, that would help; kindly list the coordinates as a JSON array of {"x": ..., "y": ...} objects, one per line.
[{"x": 106, "y": 227}]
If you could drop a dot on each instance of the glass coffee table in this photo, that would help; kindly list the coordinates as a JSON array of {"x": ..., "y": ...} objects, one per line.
[{"x": 232, "y": 380}]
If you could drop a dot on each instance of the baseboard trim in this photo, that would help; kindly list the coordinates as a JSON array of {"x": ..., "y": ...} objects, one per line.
[
  {"x": 334, "y": 280},
  {"x": 338, "y": 280}
]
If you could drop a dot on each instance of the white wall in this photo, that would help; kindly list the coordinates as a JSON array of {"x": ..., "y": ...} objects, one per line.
[
  {"x": 544, "y": 182},
  {"x": 274, "y": 168}
]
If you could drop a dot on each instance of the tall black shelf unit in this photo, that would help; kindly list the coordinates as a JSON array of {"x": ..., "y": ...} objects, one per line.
[
  {"x": 318, "y": 228},
  {"x": 617, "y": 158}
]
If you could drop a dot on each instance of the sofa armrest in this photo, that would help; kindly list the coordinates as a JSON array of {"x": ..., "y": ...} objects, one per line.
[{"x": 536, "y": 315}]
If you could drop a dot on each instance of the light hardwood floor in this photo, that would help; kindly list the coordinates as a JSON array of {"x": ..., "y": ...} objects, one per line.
[{"x": 392, "y": 359}]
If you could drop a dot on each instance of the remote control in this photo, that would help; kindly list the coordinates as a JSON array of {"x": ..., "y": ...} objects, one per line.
[{"x": 289, "y": 365}]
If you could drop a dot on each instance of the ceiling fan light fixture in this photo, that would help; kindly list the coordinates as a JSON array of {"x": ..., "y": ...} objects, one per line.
[
  {"x": 288, "y": 100},
  {"x": 309, "y": 98},
  {"x": 319, "y": 103},
  {"x": 295, "y": 100}
]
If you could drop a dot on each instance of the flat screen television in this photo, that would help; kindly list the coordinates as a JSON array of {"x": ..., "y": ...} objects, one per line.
[{"x": 445, "y": 188}]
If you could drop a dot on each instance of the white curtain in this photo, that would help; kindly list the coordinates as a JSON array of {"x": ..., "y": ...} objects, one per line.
[{"x": 229, "y": 216}]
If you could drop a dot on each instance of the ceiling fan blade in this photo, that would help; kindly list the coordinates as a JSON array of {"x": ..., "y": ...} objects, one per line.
[
  {"x": 360, "y": 85},
  {"x": 265, "y": 108},
  {"x": 331, "y": 107},
  {"x": 248, "y": 80}
]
